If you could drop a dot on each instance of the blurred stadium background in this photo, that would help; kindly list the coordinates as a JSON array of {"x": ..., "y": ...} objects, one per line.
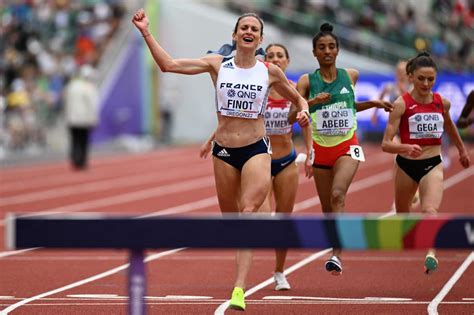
[{"x": 44, "y": 42}]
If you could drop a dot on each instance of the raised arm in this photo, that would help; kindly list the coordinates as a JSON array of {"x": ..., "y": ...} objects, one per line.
[
  {"x": 453, "y": 133},
  {"x": 388, "y": 143},
  {"x": 165, "y": 61}
]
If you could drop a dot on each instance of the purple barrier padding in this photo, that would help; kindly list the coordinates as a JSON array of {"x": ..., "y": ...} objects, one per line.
[
  {"x": 312, "y": 234},
  {"x": 121, "y": 110}
]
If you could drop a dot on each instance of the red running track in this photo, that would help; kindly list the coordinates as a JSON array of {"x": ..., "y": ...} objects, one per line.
[{"x": 189, "y": 281}]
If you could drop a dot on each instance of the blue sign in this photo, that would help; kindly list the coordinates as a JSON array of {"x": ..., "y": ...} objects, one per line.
[{"x": 453, "y": 87}]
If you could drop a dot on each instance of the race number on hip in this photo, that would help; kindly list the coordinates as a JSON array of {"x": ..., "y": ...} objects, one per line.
[{"x": 357, "y": 153}]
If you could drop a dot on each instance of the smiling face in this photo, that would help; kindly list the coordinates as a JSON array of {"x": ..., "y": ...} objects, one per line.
[
  {"x": 423, "y": 80},
  {"x": 326, "y": 50},
  {"x": 278, "y": 56},
  {"x": 248, "y": 33}
]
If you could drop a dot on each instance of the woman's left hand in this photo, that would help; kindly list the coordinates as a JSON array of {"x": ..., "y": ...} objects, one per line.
[
  {"x": 464, "y": 159},
  {"x": 387, "y": 106},
  {"x": 302, "y": 117}
]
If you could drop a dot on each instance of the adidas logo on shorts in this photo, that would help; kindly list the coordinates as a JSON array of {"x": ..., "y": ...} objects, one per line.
[
  {"x": 223, "y": 153},
  {"x": 344, "y": 91},
  {"x": 229, "y": 65}
]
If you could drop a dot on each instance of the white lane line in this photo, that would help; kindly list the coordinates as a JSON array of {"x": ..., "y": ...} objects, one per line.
[
  {"x": 63, "y": 177},
  {"x": 223, "y": 307},
  {"x": 320, "y": 298},
  {"x": 458, "y": 177},
  {"x": 154, "y": 192},
  {"x": 16, "y": 252},
  {"x": 100, "y": 185},
  {"x": 116, "y": 296},
  {"x": 433, "y": 306},
  {"x": 187, "y": 207},
  {"x": 116, "y": 302},
  {"x": 356, "y": 186},
  {"x": 97, "y": 161},
  {"x": 96, "y": 296},
  {"x": 85, "y": 281}
]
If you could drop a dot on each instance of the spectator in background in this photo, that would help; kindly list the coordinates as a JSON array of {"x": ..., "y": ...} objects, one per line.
[
  {"x": 391, "y": 91},
  {"x": 81, "y": 109},
  {"x": 16, "y": 113}
]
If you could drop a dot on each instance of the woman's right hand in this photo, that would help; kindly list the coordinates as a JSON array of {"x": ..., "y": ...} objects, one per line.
[
  {"x": 205, "y": 149},
  {"x": 141, "y": 20},
  {"x": 322, "y": 97},
  {"x": 412, "y": 150}
]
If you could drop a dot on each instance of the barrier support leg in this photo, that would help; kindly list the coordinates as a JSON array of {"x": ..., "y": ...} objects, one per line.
[{"x": 136, "y": 283}]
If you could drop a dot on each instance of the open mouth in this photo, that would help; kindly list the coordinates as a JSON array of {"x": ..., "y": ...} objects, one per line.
[{"x": 248, "y": 39}]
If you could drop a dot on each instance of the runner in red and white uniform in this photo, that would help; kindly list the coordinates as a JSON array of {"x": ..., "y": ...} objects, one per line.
[{"x": 421, "y": 116}]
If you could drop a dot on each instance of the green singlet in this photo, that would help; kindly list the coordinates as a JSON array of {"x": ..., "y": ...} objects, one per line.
[{"x": 335, "y": 121}]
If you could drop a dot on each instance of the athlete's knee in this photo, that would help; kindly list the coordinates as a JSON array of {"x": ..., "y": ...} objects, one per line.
[
  {"x": 252, "y": 205},
  {"x": 429, "y": 209},
  {"x": 338, "y": 197},
  {"x": 252, "y": 208}
]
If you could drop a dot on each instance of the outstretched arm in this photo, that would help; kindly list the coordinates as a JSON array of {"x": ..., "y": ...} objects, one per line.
[
  {"x": 164, "y": 60},
  {"x": 361, "y": 106},
  {"x": 453, "y": 133}
]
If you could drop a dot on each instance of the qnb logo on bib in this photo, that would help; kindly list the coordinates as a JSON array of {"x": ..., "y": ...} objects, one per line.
[
  {"x": 426, "y": 126},
  {"x": 276, "y": 121},
  {"x": 242, "y": 100},
  {"x": 334, "y": 122}
]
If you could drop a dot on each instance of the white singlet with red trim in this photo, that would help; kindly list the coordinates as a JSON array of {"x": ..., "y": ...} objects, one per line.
[{"x": 242, "y": 93}]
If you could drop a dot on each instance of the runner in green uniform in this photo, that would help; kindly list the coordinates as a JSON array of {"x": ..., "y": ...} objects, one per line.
[{"x": 330, "y": 94}]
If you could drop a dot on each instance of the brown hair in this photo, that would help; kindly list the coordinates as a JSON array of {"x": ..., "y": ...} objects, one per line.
[
  {"x": 247, "y": 15},
  {"x": 278, "y": 45},
  {"x": 421, "y": 60}
]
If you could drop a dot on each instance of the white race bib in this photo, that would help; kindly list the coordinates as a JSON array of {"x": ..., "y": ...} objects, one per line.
[
  {"x": 276, "y": 121},
  {"x": 357, "y": 153},
  {"x": 426, "y": 126},
  {"x": 334, "y": 122}
]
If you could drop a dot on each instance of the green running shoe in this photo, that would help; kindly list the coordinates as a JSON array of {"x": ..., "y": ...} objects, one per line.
[
  {"x": 237, "y": 302},
  {"x": 431, "y": 263}
]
